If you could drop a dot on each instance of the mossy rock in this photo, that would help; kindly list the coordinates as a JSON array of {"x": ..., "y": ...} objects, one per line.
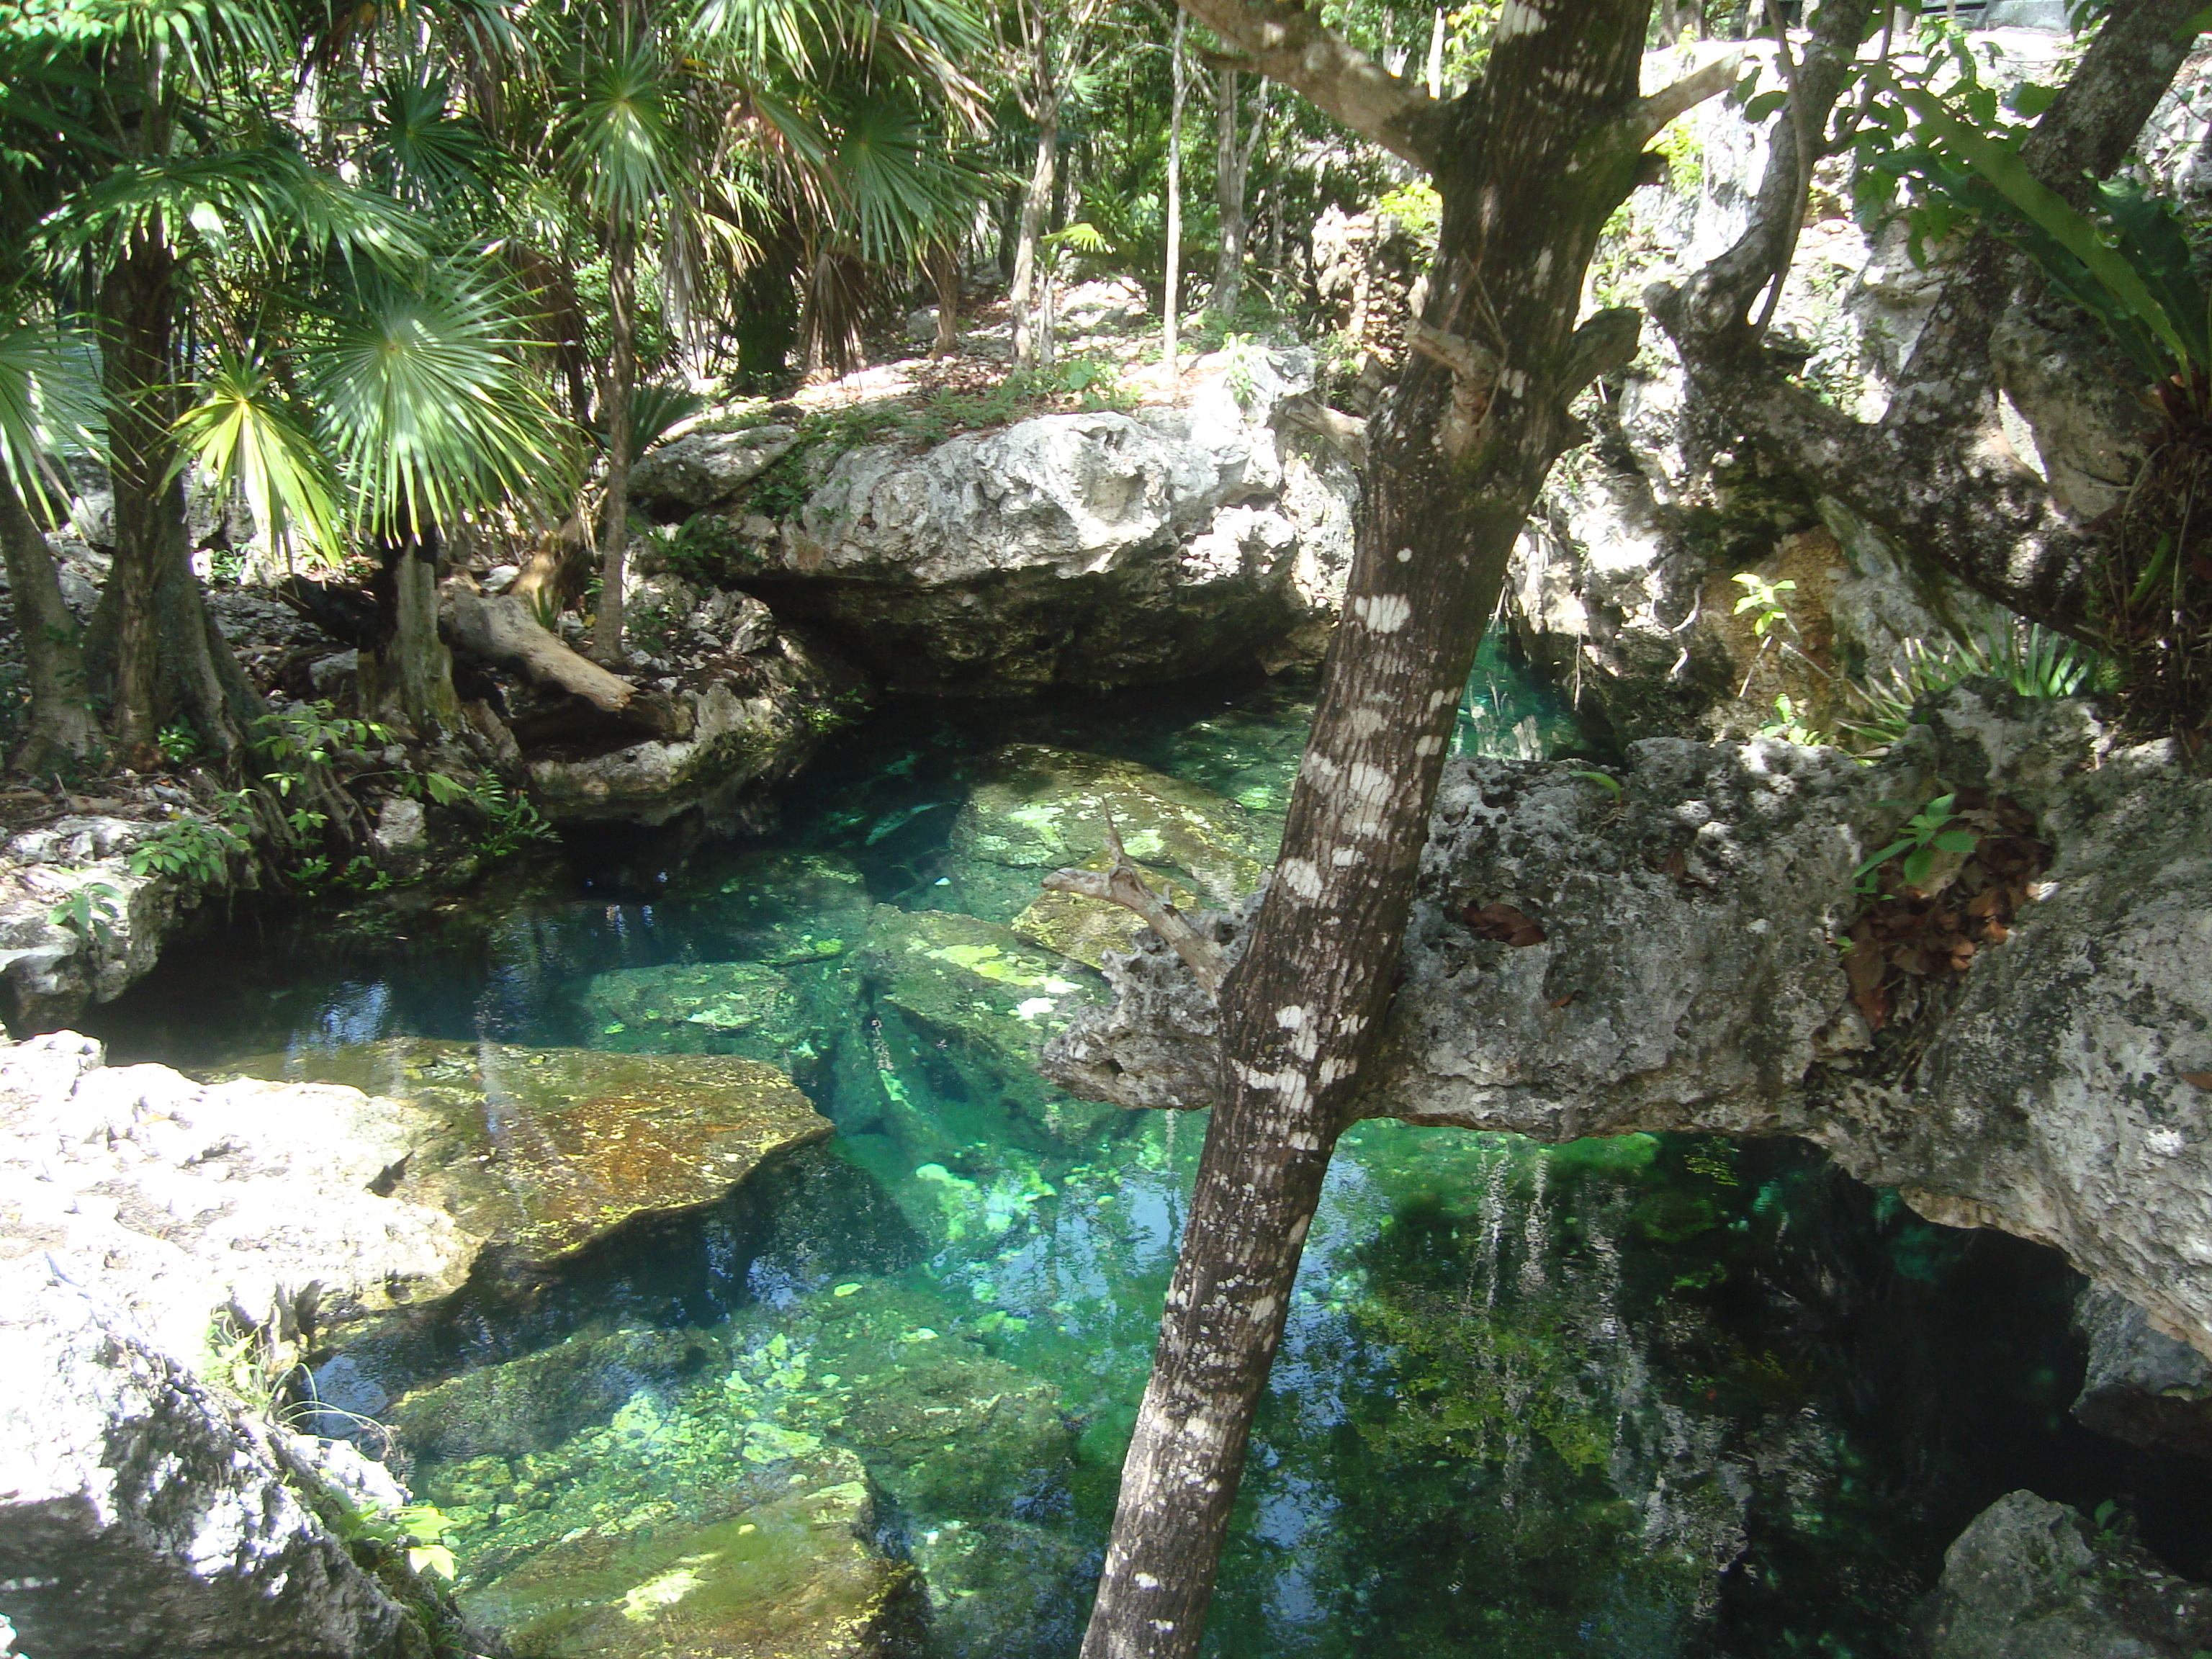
[
  {"x": 966, "y": 1007},
  {"x": 1039, "y": 809},
  {"x": 791, "y": 1575},
  {"x": 534, "y": 1403},
  {"x": 701, "y": 1007},
  {"x": 540, "y": 1151}
]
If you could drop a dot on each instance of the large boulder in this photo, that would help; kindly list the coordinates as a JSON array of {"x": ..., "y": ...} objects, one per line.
[
  {"x": 162, "y": 1246},
  {"x": 704, "y": 470},
  {"x": 1092, "y": 549},
  {"x": 1686, "y": 974},
  {"x": 2031, "y": 1579}
]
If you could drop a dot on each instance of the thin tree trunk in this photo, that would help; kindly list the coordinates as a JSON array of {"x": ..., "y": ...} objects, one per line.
[
  {"x": 1530, "y": 164},
  {"x": 944, "y": 272},
  {"x": 1232, "y": 168},
  {"x": 1436, "y": 69},
  {"x": 61, "y": 725},
  {"x": 1173, "y": 299},
  {"x": 413, "y": 677},
  {"x": 621, "y": 375},
  {"x": 1035, "y": 201}
]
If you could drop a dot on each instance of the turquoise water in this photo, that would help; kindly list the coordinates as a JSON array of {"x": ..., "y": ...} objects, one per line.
[{"x": 1657, "y": 1396}]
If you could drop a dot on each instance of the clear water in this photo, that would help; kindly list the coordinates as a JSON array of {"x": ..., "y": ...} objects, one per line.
[{"x": 1658, "y": 1396}]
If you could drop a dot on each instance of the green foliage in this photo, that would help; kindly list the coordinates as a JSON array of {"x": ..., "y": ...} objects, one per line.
[
  {"x": 2033, "y": 660},
  {"x": 1931, "y": 831},
  {"x": 1762, "y": 598},
  {"x": 1417, "y": 206},
  {"x": 312, "y": 734},
  {"x": 1790, "y": 725},
  {"x": 90, "y": 912},
  {"x": 420, "y": 1529},
  {"x": 188, "y": 848},
  {"x": 179, "y": 744}
]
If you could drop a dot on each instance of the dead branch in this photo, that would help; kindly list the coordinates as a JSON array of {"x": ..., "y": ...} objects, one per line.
[{"x": 1123, "y": 883}]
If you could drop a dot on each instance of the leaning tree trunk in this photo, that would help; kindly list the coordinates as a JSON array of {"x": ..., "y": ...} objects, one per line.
[
  {"x": 1529, "y": 163},
  {"x": 622, "y": 377},
  {"x": 62, "y": 726},
  {"x": 1035, "y": 201}
]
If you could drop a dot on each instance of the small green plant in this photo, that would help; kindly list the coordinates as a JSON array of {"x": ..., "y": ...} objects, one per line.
[
  {"x": 1790, "y": 725},
  {"x": 512, "y": 821},
  {"x": 188, "y": 849},
  {"x": 1933, "y": 830},
  {"x": 1762, "y": 598},
  {"x": 1245, "y": 359},
  {"x": 420, "y": 1529},
  {"x": 90, "y": 912},
  {"x": 2033, "y": 660},
  {"x": 312, "y": 734},
  {"x": 179, "y": 744}
]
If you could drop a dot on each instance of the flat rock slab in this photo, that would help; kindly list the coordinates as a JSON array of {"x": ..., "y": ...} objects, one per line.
[{"x": 540, "y": 1151}]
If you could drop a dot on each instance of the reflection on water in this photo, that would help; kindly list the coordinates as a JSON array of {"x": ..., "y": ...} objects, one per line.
[{"x": 1655, "y": 1396}]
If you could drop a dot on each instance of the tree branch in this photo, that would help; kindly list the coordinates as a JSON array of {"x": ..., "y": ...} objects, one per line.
[
  {"x": 1663, "y": 106},
  {"x": 1123, "y": 883},
  {"x": 1294, "y": 47}
]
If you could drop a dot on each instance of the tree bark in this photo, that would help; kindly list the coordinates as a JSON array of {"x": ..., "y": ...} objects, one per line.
[
  {"x": 1232, "y": 168},
  {"x": 1173, "y": 298},
  {"x": 62, "y": 726},
  {"x": 1530, "y": 162},
  {"x": 137, "y": 309},
  {"x": 1035, "y": 200},
  {"x": 409, "y": 680},
  {"x": 945, "y": 274},
  {"x": 622, "y": 376}
]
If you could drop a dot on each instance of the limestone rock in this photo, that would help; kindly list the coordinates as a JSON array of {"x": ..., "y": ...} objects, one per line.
[
  {"x": 1086, "y": 549},
  {"x": 2032, "y": 1579},
  {"x": 1688, "y": 980},
  {"x": 2143, "y": 1385},
  {"x": 146, "y": 1514},
  {"x": 579, "y": 1141},
  {"x": 704, "y": 470}
]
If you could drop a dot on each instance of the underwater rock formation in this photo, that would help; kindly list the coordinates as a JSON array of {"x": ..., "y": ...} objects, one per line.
[
  {"x": 2033, "y": 1579},
  {"x": 1685, "y": 974},
  {"x": 538, "y": 1153},
  {"x": 1090, "y": 549}
]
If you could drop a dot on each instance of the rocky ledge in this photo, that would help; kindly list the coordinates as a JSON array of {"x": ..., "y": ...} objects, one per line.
[
  {"x": 1688, "y": 964},
  {"x": 169, "y": 1251},
  {"x": 1100, "y": 549}
]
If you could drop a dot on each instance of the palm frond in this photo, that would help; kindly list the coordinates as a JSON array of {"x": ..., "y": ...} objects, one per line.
[
  {"x": 243, "y": 433},
  {"x": 419, "y": 152},
  {"x": 50, "y": 402},
  {"x": 425, "y": 399}
]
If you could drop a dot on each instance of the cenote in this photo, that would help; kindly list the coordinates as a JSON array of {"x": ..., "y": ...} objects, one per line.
[{"x": 1654, "y": 1396}]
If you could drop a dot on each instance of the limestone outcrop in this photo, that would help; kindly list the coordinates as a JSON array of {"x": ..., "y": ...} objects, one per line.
[
  {"x": 2031, "y": 1579},
  {"x": 1686, "y": 974},
  {"x": 170, "y": 1249},
  {"x": 1083, "y": 548}
]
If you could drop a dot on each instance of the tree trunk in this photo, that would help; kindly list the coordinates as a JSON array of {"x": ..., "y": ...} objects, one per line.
[
  {"x": 1229, "y": 193},
  {"x": 1529, "y": 163},
  {"x": 1173, "y": 298},
  {"x": 409, "y": 680},
  {"x": 137, "y": 311},
  {"x": 62, "y": 726},
  {"x": 945, "y": 273},
  {"x": 621, "y": 375},
  {"x": 1035, "y": 200}
]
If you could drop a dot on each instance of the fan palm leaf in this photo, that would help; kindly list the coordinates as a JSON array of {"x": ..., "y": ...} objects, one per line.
[
  {"x": 50, "y": 401},
  {"x": 245, "y": 435}
]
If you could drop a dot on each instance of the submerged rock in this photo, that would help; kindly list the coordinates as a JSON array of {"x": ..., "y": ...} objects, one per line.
[
  {"x": 682, "y": 1008},
  {"x": 787, "y": 1570},
  {"x": 2032, "y": 1579},
  {"x": 1036, "y": 809},
  {"x": 540, "y": 1151},
  {"x": 974, "y": 1000}
]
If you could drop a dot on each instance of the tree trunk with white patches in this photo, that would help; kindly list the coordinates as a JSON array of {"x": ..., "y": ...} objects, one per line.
[
  {"x": 1035, "y": 200},
  {"x": 1529, "y": 163},
  {"x": 1174, "y": 293}
]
